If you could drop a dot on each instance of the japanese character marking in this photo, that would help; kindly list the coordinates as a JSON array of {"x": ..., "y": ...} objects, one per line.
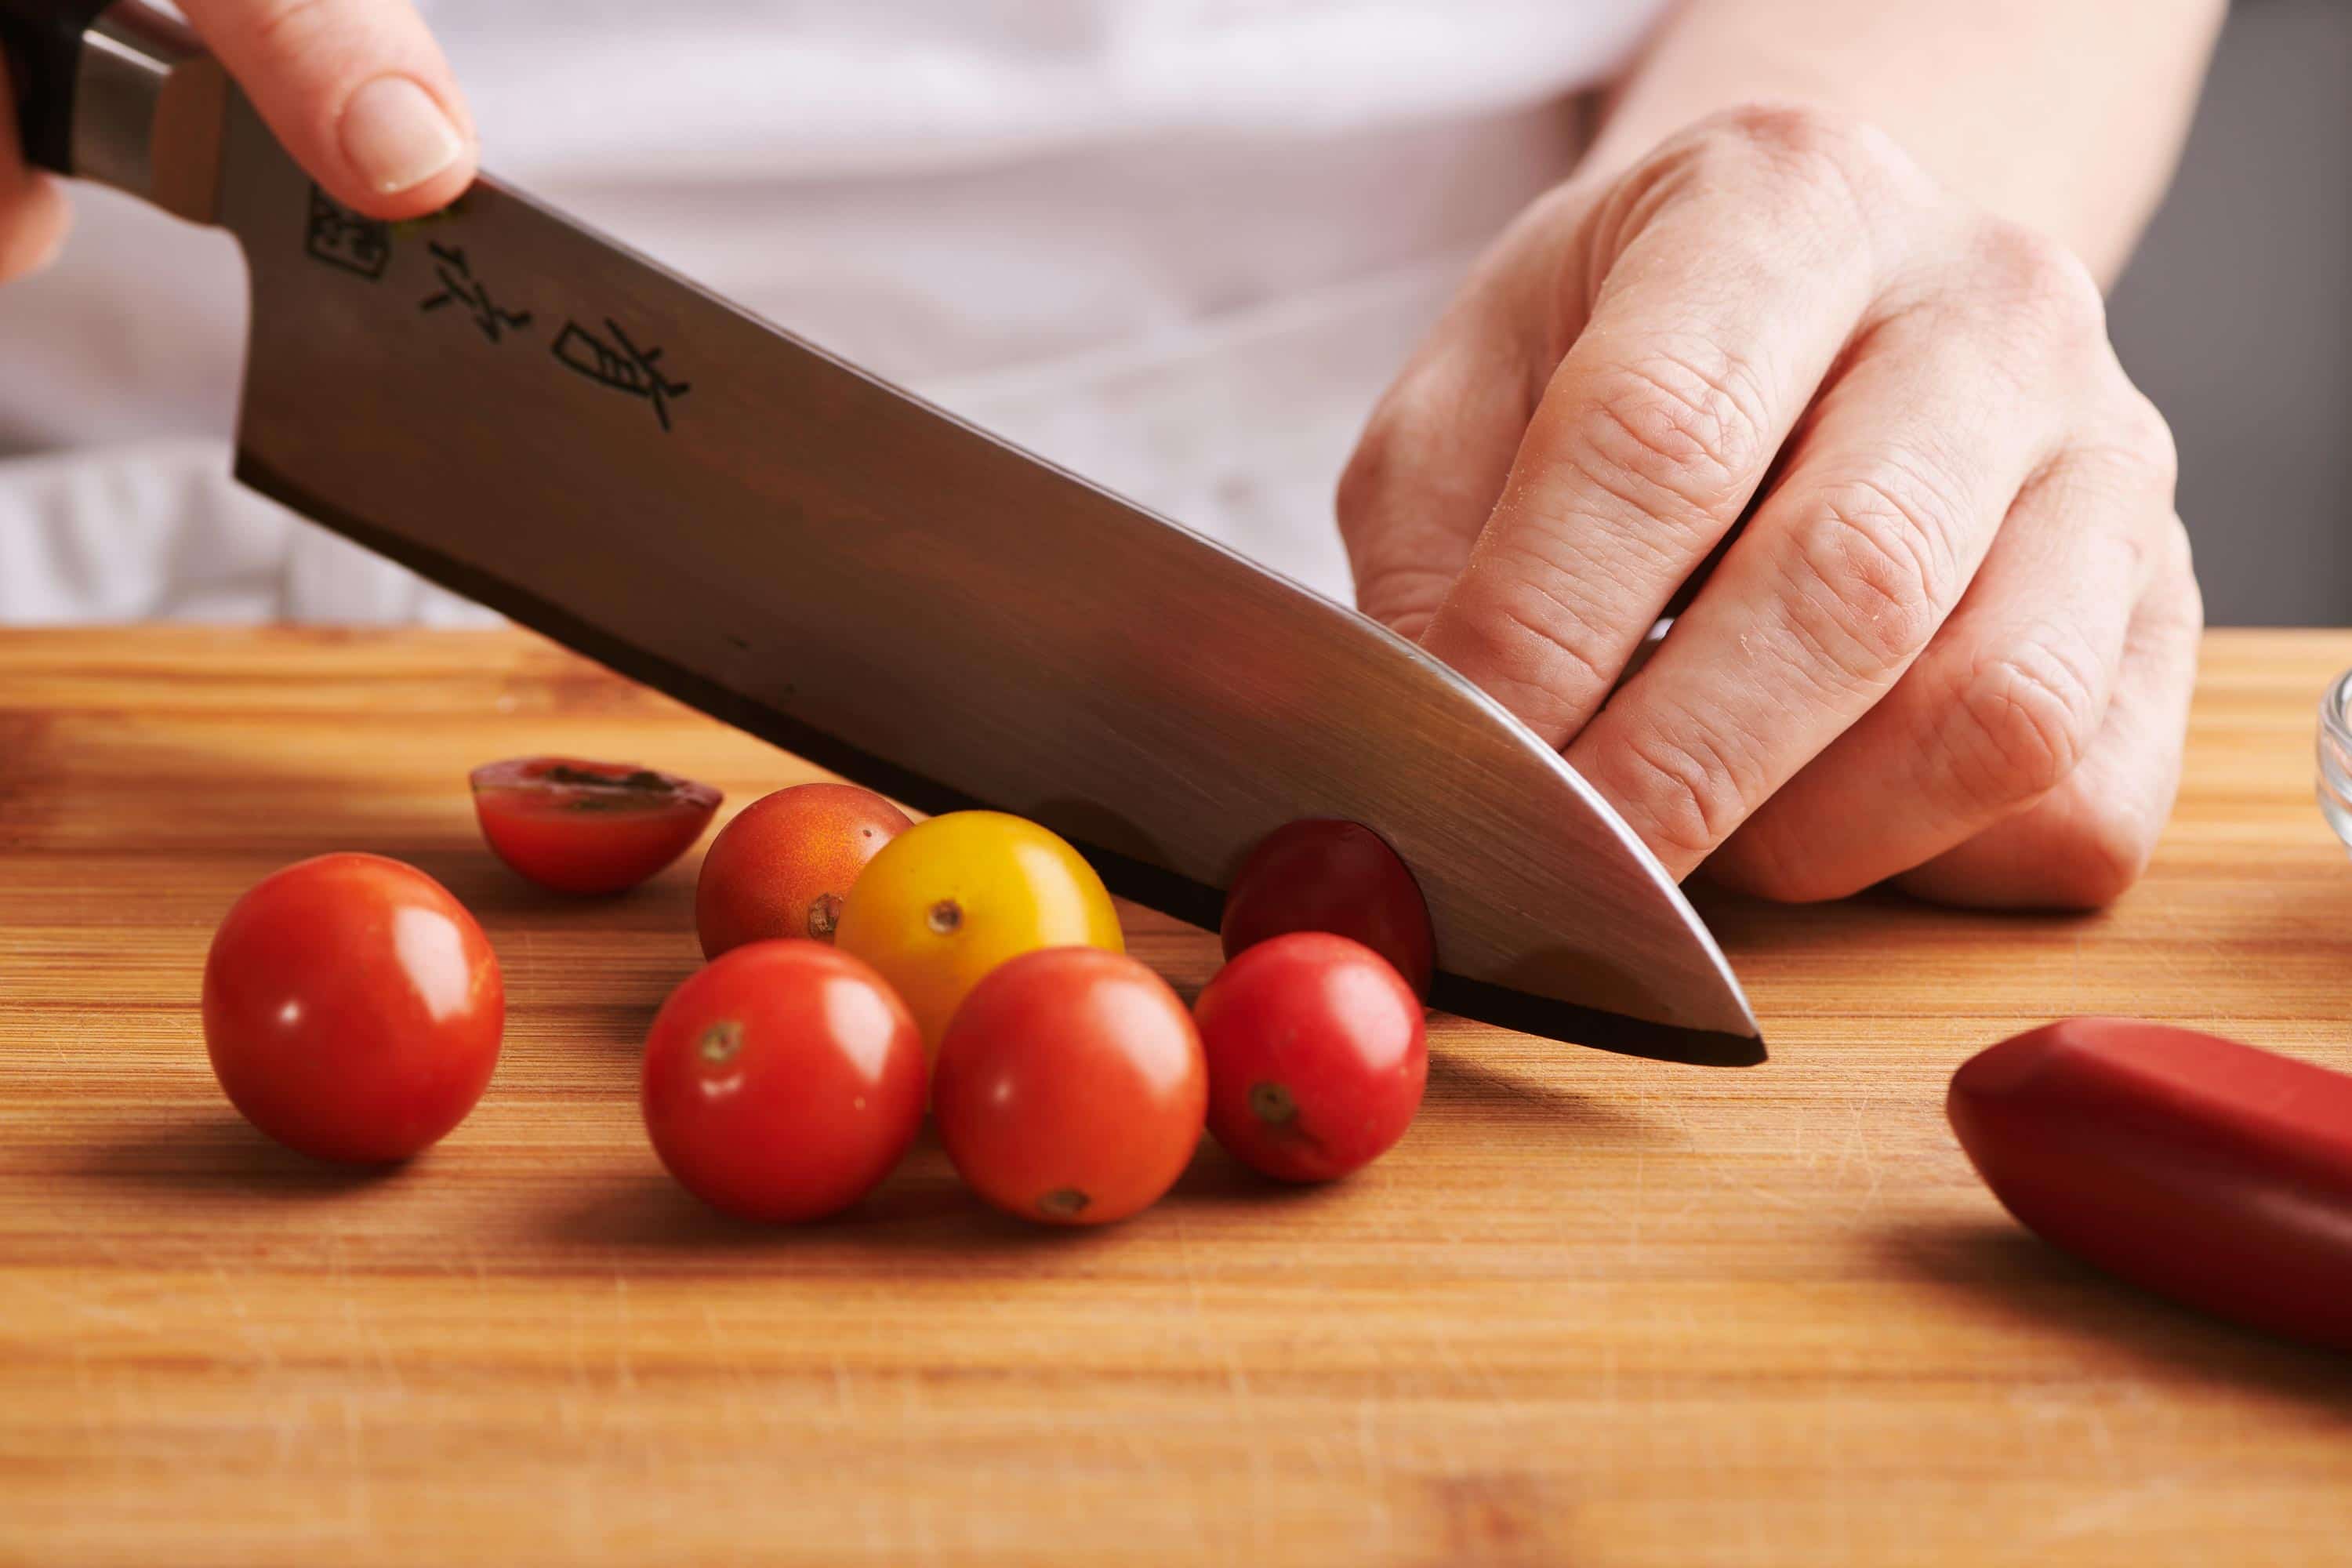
[
  {"x": 459, "y": 287},
  {"x": 619, "y": 364}
]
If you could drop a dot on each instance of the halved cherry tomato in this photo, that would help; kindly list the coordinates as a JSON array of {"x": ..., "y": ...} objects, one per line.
[
  {"x": 578, "y": 826},
  {"x": 1070, "y": 1087},
  {"x": 782, "y": 1082},
  {"x": 353, "y": 1008},
  {"x": 785, "y": 864},
  {"x": 1316, "y": 1053},
  {"x": 948, "y": 900},
  {"x": 1322, "y": 874}
]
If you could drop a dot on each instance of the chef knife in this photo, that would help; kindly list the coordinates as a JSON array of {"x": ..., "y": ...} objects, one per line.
[{"x": 536, "y": 416}]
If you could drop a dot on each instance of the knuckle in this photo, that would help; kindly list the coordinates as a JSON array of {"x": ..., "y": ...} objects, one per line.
[
  {"x": 281, "y": 29},
  {"x": 1873, "y": 571},
  {"x": 2029, "y": 713},
  {"x": 2033, "y": 277},
  {"x": 1533, "y": 630},
  {"x": 1688, "y": 793},
  {"x": 1689, "y": 430},
  {"x": 2098, "y": 858},
  {"x": 2146, "y": 437}
]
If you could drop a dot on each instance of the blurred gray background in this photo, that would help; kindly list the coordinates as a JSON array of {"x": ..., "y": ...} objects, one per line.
[{"x": 2236, "y": 316}]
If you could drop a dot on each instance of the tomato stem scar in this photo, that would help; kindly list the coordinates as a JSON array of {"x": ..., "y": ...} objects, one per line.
[
  {"x": 824, "y": 913},
  {"x": 720, "y": 1041},
  {"x": 944, "y": 917},
  {"x": 1273, "y": 1102},
  {"x": 1063, "y": 1202}
]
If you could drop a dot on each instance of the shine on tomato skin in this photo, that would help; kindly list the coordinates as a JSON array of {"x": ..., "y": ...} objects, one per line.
[
  {"x": 1070, "y": 1087},
  {"x": 1324, "y": 873},
  {"x": 782, "y": 1082},
  {"x": 1317, "y": 1054},
  {"x": 353, "y": 1008},
  {"x": 585, "y": 827}
]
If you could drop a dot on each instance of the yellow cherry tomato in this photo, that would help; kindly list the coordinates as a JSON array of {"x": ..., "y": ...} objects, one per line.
[{"x": 948, "y": 900}]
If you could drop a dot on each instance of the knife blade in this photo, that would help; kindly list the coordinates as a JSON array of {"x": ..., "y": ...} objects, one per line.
[{"x": 539, "y": 417}]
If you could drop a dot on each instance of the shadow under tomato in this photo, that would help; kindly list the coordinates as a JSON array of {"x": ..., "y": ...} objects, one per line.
[
  {"x": 217, "y": 1149},
  {"x": 922, "y": 1214},
  {"x": 2010, "y": 1272}
]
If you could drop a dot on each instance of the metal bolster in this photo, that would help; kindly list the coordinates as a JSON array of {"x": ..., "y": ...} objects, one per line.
[{"x": 149, "y": 107}]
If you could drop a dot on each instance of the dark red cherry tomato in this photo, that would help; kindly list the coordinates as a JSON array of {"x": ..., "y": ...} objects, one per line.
[
  {"x": 353, "y": 1008},
  {"x": 578, "y": 826},
  {"x": 783, "y": 867},
  {"x": 1341, "y": 876},
  {"x": 1317, "y": 1056},
  {"x": 1070, "y": 1088},
  {"x": 2193, "y": 1166},
  {"x": 783, "y": 1082}
]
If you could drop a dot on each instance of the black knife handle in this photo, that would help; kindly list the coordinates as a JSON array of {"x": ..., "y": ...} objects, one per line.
[{"x": 42, "y": 41}]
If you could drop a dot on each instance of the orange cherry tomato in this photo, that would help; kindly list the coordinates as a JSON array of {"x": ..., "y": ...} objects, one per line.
[
  {"x": 782, "y": 1082},
  {"x": 577, "y": 827},
  {"x": 353, "y": 1008},
  {"x": 785, "y": 866},
  {"x": 948, "y": 900},
  {"x": 1070, "y": 1087}
]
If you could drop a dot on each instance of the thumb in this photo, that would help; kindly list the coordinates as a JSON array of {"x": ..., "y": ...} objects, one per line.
[{"x": 358, "y": 92}]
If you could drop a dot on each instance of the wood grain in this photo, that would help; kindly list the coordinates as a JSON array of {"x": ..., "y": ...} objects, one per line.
[{"x": 1591, "y": 1312}]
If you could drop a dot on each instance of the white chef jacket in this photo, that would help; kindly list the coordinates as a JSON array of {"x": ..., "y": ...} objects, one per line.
[{"x": 1178, "y": 245}]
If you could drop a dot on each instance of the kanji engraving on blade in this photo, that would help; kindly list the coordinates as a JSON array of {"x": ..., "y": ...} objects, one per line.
[
  {"x": 619, "y": 364},
  {"x": 342, "y": 237},
  {"x": 459, "y": 287}
]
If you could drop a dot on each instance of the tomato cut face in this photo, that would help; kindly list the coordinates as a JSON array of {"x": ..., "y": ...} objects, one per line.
[
  {"x": 785, "y": 867},
  {"x": 1323, "y": 874},
  {"x": 577, "y": 827},
  {"x": 1317, "y": 1054},
  {"x": 1070, "y": 1087},
  {"x": 353, "y": 1008},
  {"x": 782, "y": 1082}
]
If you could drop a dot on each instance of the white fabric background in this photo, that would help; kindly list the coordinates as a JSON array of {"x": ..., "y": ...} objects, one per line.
[{"x": 1177, "y": 245}]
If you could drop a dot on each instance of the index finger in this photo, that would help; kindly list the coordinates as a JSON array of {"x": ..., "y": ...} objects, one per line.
[{"x": 1713, "y": 326}]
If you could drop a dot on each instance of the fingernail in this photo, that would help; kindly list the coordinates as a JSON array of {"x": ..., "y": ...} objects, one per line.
[{"x": 396, "y": 136}]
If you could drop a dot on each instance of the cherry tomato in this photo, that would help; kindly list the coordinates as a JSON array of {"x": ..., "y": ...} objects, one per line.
[
  {"x": 786, "y": 863},
  {"x": 1070, "y": 1087},
  {"x": 1317, "y": 1056},
  {"x": 353, "y": 1008},
  {"x": 948, "y": 900},
  {"x": 782, "y": 1082},
  {"x": 578, "y": 826},
  {"x": 1326, "y": 875}
]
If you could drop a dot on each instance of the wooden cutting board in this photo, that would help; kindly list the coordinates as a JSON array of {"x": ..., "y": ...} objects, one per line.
[{"x": 1591, "y": 1312}]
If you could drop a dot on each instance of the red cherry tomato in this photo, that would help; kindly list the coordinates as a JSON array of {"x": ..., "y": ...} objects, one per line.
[
  {"x": 353, "y": 1008},
  {"x": 1317, "y": 1056},
  {"x": 578, "y": 826},
  {"x": 1070, "y": 1087},
  {"x": 782, "y": 1082},
  {"x": 783, "y": 866},
  {"x": 1341, "y": 876}
]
